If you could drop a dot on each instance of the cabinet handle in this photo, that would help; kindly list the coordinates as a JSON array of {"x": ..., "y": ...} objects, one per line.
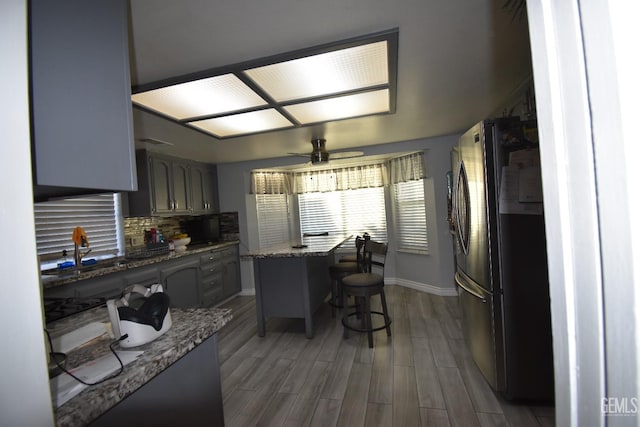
[
  {"x": 211, "y": 258},
  {"x": 175, "y": 205}
]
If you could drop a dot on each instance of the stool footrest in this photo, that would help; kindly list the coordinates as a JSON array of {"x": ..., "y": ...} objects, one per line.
[{"x": 353, "y": 328}]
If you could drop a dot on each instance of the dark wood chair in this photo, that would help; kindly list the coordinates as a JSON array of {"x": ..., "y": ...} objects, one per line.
[
  {"x": 362, "y": 286},
  {"x": 354, "y": 257},
  {"x": 342, "y": 269}
]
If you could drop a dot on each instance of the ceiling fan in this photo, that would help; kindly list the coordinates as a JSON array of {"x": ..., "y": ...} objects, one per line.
[{"x": 319, "y": 154}]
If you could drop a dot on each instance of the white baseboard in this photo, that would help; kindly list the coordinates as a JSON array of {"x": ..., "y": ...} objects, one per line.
[
  {"x": 423, "y": 287},
  {"x": 248, "y": 292}
]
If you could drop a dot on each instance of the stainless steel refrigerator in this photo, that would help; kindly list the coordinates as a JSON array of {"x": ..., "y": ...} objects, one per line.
[{"x": 501, "y": 260}]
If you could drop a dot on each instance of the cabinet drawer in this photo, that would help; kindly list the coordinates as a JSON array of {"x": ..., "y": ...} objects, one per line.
[
  {"x": 211, "y": 297},
  {"x": 212, "y": 268},
  {"x": 219, "y": 254},
  {"x": 212, "y": 281}
]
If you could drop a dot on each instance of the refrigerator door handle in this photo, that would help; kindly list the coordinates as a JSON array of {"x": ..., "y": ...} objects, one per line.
[
  {"x": 462, "y": 224},
  {"x": 460, "y": 282}
]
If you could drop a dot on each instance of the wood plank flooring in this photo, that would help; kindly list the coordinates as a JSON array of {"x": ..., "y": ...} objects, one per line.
[{"x": 422, "y": 375}]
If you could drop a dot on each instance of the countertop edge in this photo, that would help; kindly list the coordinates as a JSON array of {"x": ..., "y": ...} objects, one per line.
[
  {"x": 121, "y": 264},
  {"x": 315, "y": 247}
]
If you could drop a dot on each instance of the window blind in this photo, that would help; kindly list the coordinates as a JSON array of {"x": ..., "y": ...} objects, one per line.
[
  {"x": 273, "y": 219},
  {"x": 411, "y": 218},
  {"x": 342, "y": 212},
  {"x": 99, "y": 215}
]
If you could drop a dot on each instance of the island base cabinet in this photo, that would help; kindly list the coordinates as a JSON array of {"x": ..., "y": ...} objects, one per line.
[
  {"x": 292, "y": 287},
  {"x": 188, "y": 393}
]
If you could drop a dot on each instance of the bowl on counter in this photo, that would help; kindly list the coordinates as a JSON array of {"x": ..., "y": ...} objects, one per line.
[{"x": 180, "y": 245}]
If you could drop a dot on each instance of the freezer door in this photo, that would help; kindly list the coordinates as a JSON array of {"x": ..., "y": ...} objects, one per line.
[
  {"x": 482, "y": 332},
  {"x": 471, "y": 208}
]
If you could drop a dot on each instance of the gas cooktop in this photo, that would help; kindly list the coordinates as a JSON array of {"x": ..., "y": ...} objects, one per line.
[{"x": 59, "y": 308}]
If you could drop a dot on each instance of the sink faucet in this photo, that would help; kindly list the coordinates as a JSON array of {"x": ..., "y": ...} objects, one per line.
[
  {"x": 78, "y": 255},
  {"x": 79, "y": 240}
]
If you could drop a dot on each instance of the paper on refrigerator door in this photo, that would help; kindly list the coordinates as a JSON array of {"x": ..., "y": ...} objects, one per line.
[
  {"x": 513, "y": 187},
  {"x": 64, "y": 386}
]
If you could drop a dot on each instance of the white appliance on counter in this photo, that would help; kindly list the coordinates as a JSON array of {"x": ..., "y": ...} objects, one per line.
[{"x": 142, "y": 314}]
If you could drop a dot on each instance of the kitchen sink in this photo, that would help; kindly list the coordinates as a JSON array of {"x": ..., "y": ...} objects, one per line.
[{"x": 71, "y": 272}]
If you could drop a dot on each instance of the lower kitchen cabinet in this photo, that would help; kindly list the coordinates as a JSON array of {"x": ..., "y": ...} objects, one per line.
[
  {"x": 180, "y": 280},
  {"x": 202, "y": 279},
  {"x": 109, "y": 287},
  {"x": 220, "y": 272},
  {"x": 145, "y": 276},
  {"x": 231, "y": 279}
]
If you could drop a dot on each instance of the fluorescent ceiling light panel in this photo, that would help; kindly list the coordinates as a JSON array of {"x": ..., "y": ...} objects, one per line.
[
  {"x": 325, "y": 74},
  {"x": 198, "y": 98},
  {"x": 341, "y": 107},
  {"x": 243, "y": 123}
]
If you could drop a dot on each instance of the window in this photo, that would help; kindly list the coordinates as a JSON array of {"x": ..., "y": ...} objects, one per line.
[
  {"x": 100, "y": 217},
  {"x": 411, "y": 219},
  {"x": 273, "y": 219},
  {"x": 342, "y": 212}
]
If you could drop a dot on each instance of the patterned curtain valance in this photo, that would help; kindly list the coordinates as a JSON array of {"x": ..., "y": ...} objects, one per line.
[
  {"x": 407, "y": 168},
  {"x": 347, "y": 178},
  {"x": 263, "y": 182}
]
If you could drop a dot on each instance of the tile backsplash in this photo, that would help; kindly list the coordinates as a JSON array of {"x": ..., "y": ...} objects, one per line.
[{"x": 134, "y": 227}]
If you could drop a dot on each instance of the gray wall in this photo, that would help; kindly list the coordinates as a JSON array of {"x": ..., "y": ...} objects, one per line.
[{"x": 432, "y": 273}]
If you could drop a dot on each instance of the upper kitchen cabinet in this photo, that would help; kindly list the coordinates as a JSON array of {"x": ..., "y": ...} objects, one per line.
[
  {"x": 169, "y": 186},
  {"x": 164, "y": 186},
  {"x": 204, "y": 188},
  {"x": 82, "y": 125}
]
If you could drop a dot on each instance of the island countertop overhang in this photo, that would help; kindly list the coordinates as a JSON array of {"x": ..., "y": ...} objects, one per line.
[{"x": 311, "y": 246}]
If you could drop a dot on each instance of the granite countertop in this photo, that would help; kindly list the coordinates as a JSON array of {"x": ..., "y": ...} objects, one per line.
[
  {"x": 190, "y": 327},
  {"x": 121, "y": 264},
  {"x": 314, "y": 246}
]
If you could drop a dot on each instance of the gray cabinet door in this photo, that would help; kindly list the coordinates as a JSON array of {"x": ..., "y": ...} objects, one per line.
[
  {"x": 180, "y": 280},
  {"x": 198, "y": 189},
  {"x": 181, "y": 186},
  {"x": 211, "y": 189},
  {"x": 145, "y": 276},
  {"x": 109, "y": 286},
  {"x": 161, "y": 182},
  {"x": 81, "y": 96}
]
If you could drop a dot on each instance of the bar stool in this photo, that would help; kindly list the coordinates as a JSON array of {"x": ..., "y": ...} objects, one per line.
[
  {"x": 354, "y": 258},
  {"x": 342, "y": 269},
  {"x": 362, "y": 286}
]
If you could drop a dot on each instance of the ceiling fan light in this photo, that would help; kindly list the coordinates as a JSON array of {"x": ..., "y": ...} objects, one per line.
[{"x": 319, "y": 153}]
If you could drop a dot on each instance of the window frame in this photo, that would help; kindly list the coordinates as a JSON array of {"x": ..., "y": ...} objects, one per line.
[{"x": 55, "y": 220}]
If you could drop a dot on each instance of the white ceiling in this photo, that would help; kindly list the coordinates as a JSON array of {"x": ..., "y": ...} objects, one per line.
[{"x": 458, "y": 62}]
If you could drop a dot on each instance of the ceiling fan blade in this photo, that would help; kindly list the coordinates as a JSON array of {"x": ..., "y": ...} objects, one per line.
[{"x": 345, "y": 154}]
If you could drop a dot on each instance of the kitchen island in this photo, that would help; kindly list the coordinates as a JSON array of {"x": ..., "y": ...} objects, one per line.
[
  {"x": 292, "y": 279},
  {"x": 176, "y": 380}
]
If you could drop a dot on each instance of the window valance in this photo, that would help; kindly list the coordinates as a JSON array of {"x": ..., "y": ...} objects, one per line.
[
  {"x": 263, "y": 182},
  {"x": 348, "y": 178},
  {"x": 407, "y": 168},
  {"x": 400, "y": 169}
]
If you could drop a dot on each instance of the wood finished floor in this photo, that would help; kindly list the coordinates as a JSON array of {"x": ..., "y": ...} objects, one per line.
[{"x": 422, "y": 375}]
